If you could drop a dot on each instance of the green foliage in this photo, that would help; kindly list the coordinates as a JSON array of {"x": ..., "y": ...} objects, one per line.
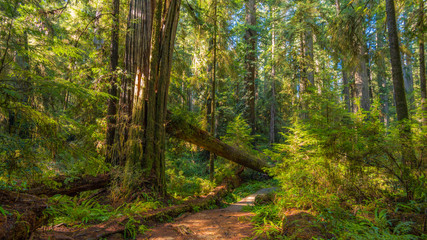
[
  {"x": 335, "y": 159},
  {"x": 247, "y": 189},
  {"x": 268, "y": 220},
  {"x": 137, "y": 207},
  {"x": 72, "y": 210},
  {"x": 131, "y": 228},
  {"x": 348, "y": 226},
  {"x": 4, "y": 212},
  {"x": 80, "y": 211},
  {"x": 51, "y": 108},
  {"x": 186, "y": 186},
  {"x": 239, "y": 134}
]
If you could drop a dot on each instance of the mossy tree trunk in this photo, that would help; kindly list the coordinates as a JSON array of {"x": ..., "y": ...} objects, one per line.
[{"x": 149, "y": 46}]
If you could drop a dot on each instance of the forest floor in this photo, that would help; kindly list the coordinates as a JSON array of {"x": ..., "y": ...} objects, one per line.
[
  {"x": 231, "y": 222},
  {"x": 227, "y": 223}
]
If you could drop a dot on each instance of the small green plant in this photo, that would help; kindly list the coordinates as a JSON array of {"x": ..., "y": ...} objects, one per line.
[
  {"x": 142, "y": 229},
  {"x": 196, "y": 209},
  {"x": 4, "y": 212},
  {"x": 131, "y": 229},
  {"x": 267, "y": 220}
]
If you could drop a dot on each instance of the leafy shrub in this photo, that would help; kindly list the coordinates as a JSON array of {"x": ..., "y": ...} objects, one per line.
[{"x": 185, "y": 186}]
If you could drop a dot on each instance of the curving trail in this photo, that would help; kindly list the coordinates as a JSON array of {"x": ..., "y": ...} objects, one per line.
[{"x": 227, "y": 223}]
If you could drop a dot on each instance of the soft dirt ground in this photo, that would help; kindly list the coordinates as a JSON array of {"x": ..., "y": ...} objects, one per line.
[{"x": 228, "y": 223}]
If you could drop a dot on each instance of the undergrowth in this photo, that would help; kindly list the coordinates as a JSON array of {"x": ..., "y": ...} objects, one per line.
[
  {"x": 76, "y": 211},
  {"x": 346, "y": 177}
]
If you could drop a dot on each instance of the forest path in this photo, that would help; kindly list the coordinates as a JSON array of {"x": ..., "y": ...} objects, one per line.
[{"x": 226, "y": 223}]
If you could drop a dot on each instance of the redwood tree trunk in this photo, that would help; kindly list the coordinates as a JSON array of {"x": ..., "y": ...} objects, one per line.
[
  {"x": 396, "y": 65},
  {"x": 149, "y": 49},
  {"x": 111, "y": 156},
  {"x": 422, "y": 66},
  {"x": 272, "y": 132},
  {"x": 250, "y": 62},
  {"x": 382, "y": 84},
  {"x": 213, "y": 94},
  {"x": 408, "y": 155},
  {"x": 423, "y": 80},
  {"x": 361, "y": 80}
]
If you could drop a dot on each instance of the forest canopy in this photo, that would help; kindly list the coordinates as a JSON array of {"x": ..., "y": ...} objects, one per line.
[{"x": 164, "y": 100}]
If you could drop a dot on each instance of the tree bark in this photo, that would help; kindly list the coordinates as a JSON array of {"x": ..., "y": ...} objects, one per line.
[
  {"x": 422, "y": 67},
  {"x": 309, "y": 58},
  {"x": 423, "y": 88},
  {"x": 361, "y": 80},
  {"x": 408, "y": 80},
  {"x": 272, "y": 132},
  {"x": 213, "y": 94},
  {"x": 381, "y": 80},
  {"x": 149, "y": 50},
  {"x": 408, "y": 155},
  {"x": 111, "y": 156},
  {"x": 345, "y": 74},
  {"x": 250, "y": 62},
  {"x": 346, "y": 89},
  {"x": 396, "y": 65}
]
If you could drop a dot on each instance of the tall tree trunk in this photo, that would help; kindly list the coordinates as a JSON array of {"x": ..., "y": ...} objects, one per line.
[
  {"x": 408, "y": 80},
  {"x": 346, "y": 90},
  {"x": 361, "y": 78},
  {"x": 303, "y": 85},
  {"x": 307, "y": 74},
  {"x": 381, "y": 80},
  {"x": 250, "y": 62},
  {"x": 213, "y": 93},
  {"x": 149, "y": 50},
  {"x": 345, "y": 74},
  {"x": 396, "y": 65},
  {"x": 423, "y": 80},
  {"x": 272, "y": 132},
  {"x": 422, "y": 66},
  {"x": 309, "y": 58},
  {"x": 111, "y": 156},
  {"x": 408, "y": 155}
]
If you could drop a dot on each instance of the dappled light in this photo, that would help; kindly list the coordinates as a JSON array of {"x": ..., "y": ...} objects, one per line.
[{"x": 213, "y": 119}]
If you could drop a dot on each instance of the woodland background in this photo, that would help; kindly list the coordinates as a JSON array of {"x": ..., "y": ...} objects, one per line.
[{"x": 330, "y": 94}]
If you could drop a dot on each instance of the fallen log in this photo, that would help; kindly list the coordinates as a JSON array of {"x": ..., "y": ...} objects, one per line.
[
  {"x": 179, "y": 128},
  {"x": 21, "y": 214},
  {"x": 120, "y": 225},
  {"x": 71, "y": 187},
  {"x": 176, "y": 127}
]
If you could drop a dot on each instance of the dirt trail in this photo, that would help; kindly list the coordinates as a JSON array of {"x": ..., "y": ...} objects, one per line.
[{"x": 227, "y": 223}]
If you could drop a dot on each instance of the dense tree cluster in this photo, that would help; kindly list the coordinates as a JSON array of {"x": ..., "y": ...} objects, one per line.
[{"x": 338, "y": 86}]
